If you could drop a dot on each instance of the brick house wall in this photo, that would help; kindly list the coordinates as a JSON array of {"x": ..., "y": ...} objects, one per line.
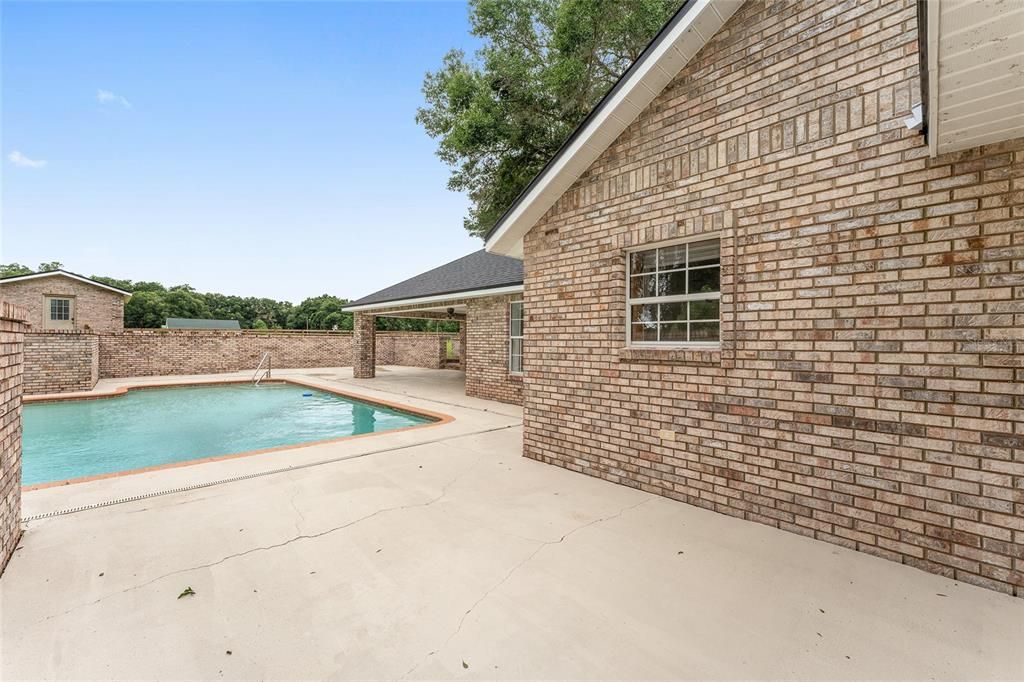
[
  {"x": 96, "y": 310},
  {"x": 487, "y": 327},
  {"x": 12, "y": 338},
  {"x": 868, "y": 389},
  {"x": 57, "y": 362}
]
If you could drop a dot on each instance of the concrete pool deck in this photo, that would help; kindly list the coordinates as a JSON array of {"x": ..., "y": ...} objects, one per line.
[{"x": 442, "y": 553}]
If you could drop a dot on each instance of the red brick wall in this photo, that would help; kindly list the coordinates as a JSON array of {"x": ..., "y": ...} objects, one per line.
[
  {"x": 12, "y": 338},
  {"x": 57, "y": 362},
  {"x": 97, "y": 310},
  {"x": 487, "y": 374},
  {"x": 868, "y": 391}
]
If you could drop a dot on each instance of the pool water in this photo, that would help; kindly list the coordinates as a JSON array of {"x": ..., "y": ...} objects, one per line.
[{"x": 150, "y": 427}]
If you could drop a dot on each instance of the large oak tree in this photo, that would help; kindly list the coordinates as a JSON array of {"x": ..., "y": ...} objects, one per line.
[{"x": 501, "y": 115}]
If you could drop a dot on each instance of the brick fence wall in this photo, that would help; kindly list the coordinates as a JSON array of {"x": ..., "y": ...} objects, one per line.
[
  {"x": 421, "y": 349},
  {"x": 868, "y": 391},
  {"x": 147, "y": 352},
  {"x": 12, "y": 337},
  {"x": 56, "y": 362}
]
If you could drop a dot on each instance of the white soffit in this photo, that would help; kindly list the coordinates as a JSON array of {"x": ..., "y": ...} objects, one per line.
[
  {"x": 975, "y": 52},
  {"x": 654, "y": 69}
]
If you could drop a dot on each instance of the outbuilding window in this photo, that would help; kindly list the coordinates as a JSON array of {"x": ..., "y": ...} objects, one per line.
[
  {"x": 673, "y": 294},
  {"x": 60, "y": 309},
  {"x": 515, "y": 337}
]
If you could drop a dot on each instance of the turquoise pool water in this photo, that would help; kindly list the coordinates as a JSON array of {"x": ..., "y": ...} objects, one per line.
[{"x": 144, "y": 428}]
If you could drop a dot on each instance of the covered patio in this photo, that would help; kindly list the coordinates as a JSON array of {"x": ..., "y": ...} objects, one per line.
[{"x": 482, "y": 292}]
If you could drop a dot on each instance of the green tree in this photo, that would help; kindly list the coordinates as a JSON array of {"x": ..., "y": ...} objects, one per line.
[
  {"x": 13, "y": 270},
  {"x": 125, "y": 284},
  {"x": 259, "y": 324},
  {"x": 50, "y": 267},
  {"x": 320, "y": 312},
  {"x": 182, "y": 302},
  {"x": 544, "y": 64},
  {"x": 145, "y": 309}
]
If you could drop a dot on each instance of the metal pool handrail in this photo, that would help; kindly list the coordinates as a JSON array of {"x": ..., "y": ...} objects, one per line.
[{"x": 257, "y": 377}]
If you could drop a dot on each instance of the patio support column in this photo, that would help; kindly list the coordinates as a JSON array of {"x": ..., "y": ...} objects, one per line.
[{"x": 364, "y": 341}]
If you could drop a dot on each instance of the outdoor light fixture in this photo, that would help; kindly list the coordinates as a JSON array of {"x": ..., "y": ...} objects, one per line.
[{"x": 451, "y": 313}]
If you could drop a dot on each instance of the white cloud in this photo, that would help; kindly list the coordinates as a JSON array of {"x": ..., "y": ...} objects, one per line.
[
  {"x": 108, "y": 97},
  {"x": 22, "y": 161}
]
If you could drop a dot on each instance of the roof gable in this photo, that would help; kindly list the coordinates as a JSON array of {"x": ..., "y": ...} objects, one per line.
[
  {"x": 477, "y": 271},
  {"x": 677, "y": 42},
  {"x": 69, "y": 275}
]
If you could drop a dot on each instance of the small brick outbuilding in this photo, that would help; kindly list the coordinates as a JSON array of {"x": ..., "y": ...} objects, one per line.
[{"x": 64, "y": 301}]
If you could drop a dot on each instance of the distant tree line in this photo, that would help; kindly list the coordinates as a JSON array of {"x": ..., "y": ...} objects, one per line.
[{"x": 152, "y": 303}]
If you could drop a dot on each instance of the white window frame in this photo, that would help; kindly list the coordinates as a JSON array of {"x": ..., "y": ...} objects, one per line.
[
  {"x": 522, "y": 342},
  {"x": 677, "y": 298}
]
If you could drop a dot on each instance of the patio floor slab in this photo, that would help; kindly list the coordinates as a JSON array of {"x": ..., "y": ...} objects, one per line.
[{"x": 455, "y": 557}]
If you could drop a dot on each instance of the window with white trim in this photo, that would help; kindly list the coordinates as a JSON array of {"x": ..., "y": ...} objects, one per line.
[
  {"x": 673, "y": 294},
  {"x": 60, "y": 309},
  {"x": 515, "y": 337}
]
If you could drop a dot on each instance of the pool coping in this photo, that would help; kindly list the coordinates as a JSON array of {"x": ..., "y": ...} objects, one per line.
[{"x": 438, "y": 419}]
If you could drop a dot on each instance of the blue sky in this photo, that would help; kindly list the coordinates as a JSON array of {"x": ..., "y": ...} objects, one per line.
[{"x": 250, "y": 148}]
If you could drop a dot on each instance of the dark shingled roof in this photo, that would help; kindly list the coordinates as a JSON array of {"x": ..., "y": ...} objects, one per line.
[{"x": 478, "y": 270}]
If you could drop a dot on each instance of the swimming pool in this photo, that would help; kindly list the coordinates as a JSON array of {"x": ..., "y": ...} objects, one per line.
[{"x": 158, "y": 426}]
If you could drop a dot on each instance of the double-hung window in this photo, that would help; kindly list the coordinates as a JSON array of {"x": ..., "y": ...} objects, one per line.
[
  {"x": 673, "y": 294},
  {"x": 515, "y": 337}
]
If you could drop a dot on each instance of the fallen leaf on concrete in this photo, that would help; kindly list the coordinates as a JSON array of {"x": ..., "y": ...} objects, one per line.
[{"x": 187, "y": 592}]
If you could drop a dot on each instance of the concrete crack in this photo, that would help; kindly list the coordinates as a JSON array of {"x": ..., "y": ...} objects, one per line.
[
  {"x": 543, "y": 544},
  {"x": 277, "y": 545}
]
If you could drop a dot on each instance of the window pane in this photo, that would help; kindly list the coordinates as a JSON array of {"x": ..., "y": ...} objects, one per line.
[
  {"x": 704, "y": 310},
  {"x": 672, "y": 312},
  {"x": 672, "y": 257},
  {"x": 675, "y": 331},
  {"x": 516, "y": 327},
  {"x": 645, "y": 332},
  {"x": 704, "y": 253},
  {"x": 672, "y": 283},
  {"x": 644, "y": 314},
  {"x": 515, "y": 360},
  {"x": 642, "y": 261},
  {"x": 704, "y": 331},
  {"x": 704, "y": 281},
  {"x": 641, "y": 287}
]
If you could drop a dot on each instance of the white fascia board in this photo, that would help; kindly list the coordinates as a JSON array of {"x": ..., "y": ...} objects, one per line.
[
  {"x": 478, "y": 293},
  {"x": 933, "y": 77},
  {"x": 658, "y": 67}
]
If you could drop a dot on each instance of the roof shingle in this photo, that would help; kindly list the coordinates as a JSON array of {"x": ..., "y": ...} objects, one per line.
[{"x": 478, "y": 270}]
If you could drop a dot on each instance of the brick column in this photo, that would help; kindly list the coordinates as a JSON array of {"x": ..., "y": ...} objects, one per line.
[
  {"x": 12, "y": 342},
  {"x": 365, "y": 346}
]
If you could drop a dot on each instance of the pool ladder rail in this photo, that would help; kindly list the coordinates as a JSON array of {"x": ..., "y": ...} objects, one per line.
[{"x": 261, "y": 371}]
